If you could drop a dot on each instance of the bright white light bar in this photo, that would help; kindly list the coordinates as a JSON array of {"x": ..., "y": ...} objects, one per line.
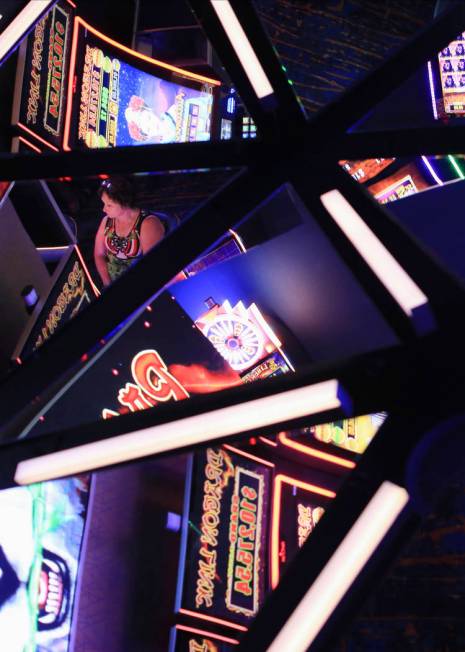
[
  {"x": 21, "y": 24},
  {"x": 344, "y": 566},
  {"x": 395, "y": 279},
  {"x": 431, "y": 87},
  {"x": 198, "y": 429},
  {"x": 241, "y": 44}
]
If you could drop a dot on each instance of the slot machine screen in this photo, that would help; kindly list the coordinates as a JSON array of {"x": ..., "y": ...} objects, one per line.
[
  {"x": 452, "y": 75},
  {"x": 120, "y": 97},
  {"x": 40, "y": 553}
]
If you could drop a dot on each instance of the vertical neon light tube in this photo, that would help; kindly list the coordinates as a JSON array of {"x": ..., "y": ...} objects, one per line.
[
  {"x": 456, "y": 167},
  {"x": 431, "y": 171},
  {"x": 431, "y": 88}
]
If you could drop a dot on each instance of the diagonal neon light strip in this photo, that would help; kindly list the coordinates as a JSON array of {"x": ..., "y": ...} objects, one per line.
[
  {"x": 344, "y": 566},
  {"x": 212, "y": 619},
  {"x": 29, "y": 144},
  {"x": 432, "y": 171},
  {"x": 21, "y": 24},
  {"x": 456, "y": 166},
  {"x": 186, "y": 432},
  {"x": 394, "y": 278},
  {"x": 244, "y": 50},
  {"x": 314, "y": 452},
  {"x": 203, "y": 632}
]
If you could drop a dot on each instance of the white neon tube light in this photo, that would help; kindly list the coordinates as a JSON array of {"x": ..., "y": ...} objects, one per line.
[
  {"x": 394, "y": 278},
  {"x": 431, "y": 88},
  {"x": 21, "y": 24},
  {"x": 342, "y": 569},
  {"x": 241, "y": 44},
  {"x": 432, "y": 171},
  {"x": 198, "y": 429}
]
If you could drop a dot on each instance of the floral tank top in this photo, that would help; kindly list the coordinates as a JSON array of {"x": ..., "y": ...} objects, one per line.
[{"x": 122, "y": 251}]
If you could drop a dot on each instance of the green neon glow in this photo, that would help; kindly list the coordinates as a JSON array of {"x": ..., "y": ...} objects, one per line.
[{"x": 456, "y": 166}]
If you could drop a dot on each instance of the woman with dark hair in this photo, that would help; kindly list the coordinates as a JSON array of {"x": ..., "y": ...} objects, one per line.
[{"x": 126, "y": 232}]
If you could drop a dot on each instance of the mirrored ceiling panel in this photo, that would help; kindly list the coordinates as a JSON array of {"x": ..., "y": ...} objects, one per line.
[{"x": 271, "y": 296}]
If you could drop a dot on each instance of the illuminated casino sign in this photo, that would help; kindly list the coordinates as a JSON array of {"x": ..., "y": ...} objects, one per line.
[
  {"x": 55, "y": 65},
  {"x": 244, "y": 541},
  {"x": 44, "y": 79},
  {"x": 160, "y": 358},
  {"x": 188, "y": 639},
  {"x": 241, "y": 335},
  {"x": 274, "y": 365},
  {"x": 307, "y": 518},
  {"x": 98, "y": 110},
  {"x": 297, "y": 508},
  {"x": 153, "y": 384},
  {"x": 72, "y": 290},
  {"x": 226, "y": 543}
]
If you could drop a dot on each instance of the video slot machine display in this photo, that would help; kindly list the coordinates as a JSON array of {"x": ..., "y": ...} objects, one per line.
[
  {"x": 451, "y": 61},
  {"x": 353, "y": 435},
  {"x": 40, "y": 547},
  {"x": 121, "y": 97},
  {"x": 397, "y": 190},
  {"x": 388, "y": 180},
  {"x": 249, "y": 129}
]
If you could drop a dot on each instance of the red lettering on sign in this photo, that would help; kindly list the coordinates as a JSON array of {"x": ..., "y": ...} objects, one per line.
[
  {"x": 132, "y": 396},
  {"x": 151, "y": 373}
]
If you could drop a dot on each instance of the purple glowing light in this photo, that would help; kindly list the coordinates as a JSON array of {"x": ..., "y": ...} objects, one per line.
[{"x": 431, "y": 171}]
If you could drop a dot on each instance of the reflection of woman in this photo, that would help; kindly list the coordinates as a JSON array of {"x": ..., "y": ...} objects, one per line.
[
  {"x": 461, "y": 65},
  {"x": 450, "y": 83},
  {"x": 459, "y": 50},
  {"x": 126, "y": 233}
]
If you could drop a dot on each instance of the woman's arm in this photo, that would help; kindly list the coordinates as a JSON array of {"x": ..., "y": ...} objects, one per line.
[
  {"x": 151, "y": 232},
  {"x": 99, "y": 253}
]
